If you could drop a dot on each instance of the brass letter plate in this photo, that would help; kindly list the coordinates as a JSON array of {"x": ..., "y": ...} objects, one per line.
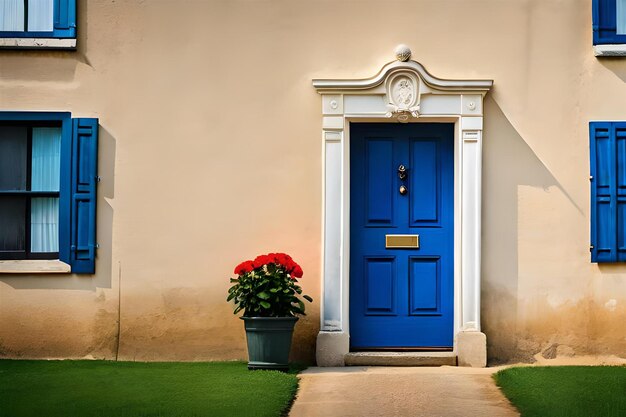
[{"x": 402, "y": 241}]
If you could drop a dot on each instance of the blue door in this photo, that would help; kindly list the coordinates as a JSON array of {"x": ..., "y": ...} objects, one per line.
[{"x": 402, "y": 235}]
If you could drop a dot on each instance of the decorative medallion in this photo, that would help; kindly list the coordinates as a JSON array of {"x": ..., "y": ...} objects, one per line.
[
  {"x": 403, "y": 92},
  {"x": 403, "y": 96}
]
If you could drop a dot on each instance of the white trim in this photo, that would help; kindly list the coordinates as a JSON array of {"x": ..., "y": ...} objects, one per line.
[
  {"x": 372, "y": 100},
  {"x": 471, "y": 123},
  {"x": 609, "y": 50},
  {"x": 329, "y": 85},
  {"x": 34, "y": 266},
  {"x": 38, "y": 43},
  {"x": 471, "y": 168}
]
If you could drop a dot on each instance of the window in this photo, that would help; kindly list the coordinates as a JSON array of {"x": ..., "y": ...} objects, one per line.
[
  {"x": 38, "y": 23},
  {"x": 608, "y": 191},
  {"x": 48, "y": 176},
  {"x": 29, "y": 190}
]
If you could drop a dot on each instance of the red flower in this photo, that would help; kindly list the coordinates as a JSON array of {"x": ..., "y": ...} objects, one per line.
[
  {"x": 297, "y": 271},
  {"x": 278, "y": 258},
  {"x": 244, "y": 267},
  {"x": 261, "y": 260},
  {"x": 282, "y": 260}
]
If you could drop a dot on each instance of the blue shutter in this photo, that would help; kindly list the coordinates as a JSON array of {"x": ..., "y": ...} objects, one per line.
[
  {"x": 84, "y": 178},
  {"x": 64, "y": 19},
  {"x": 605, "y": 23},
  {"x": 603, "y": 192},
  {"x": 620, "y": 189}
]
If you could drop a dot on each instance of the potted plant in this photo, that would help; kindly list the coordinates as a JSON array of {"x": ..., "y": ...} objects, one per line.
[{"x": 267, "y": 291}]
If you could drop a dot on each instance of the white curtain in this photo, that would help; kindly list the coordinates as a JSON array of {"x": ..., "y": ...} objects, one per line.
[
  {"x": 46, "y": 162},
  {"x": 45, "y": 176},
  {"x": 12, "y": 15},
  {"x": 44, "y": 224},
  {"x": 621, "y": 17},
  {"x": 40, "y": 15}
]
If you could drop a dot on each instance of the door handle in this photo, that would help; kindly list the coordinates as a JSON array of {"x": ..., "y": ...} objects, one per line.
[{"x": 402, "y": 172}]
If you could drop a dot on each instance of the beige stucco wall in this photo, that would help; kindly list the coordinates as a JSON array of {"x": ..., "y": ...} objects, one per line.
[{"x": 210, "y": 153}]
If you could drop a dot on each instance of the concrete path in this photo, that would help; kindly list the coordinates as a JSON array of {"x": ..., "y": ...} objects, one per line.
[{"x": 382, "y": 391}]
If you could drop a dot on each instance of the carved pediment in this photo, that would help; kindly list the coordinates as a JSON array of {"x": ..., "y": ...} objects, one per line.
[{"x": 403, "y": 82}]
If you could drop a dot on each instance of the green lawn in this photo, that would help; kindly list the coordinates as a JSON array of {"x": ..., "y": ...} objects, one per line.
[
  {"x": 572, "y": 391},
  {"x": 131, "y": 389}
]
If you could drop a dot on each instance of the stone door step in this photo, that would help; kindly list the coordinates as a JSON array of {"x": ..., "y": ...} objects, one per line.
[{"x": 400, "y": 359}]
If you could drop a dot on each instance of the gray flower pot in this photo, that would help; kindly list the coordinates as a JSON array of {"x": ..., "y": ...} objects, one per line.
[{"x": 269, "y": 341}]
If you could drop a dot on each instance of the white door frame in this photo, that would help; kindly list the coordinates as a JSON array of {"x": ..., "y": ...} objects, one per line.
[{"x": 402, "y": 92}]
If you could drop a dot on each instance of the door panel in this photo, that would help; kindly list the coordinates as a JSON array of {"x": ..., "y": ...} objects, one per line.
[
  {"x": 424, "y": 284},
  {"x": 380, "y": 281},
  {"x": 424, "y": 198},
  {"x": 401, "y": 297},
  {"x": 379, "y": 187}
]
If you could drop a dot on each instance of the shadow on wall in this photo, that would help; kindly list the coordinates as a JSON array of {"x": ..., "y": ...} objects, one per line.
[
  {"x": 508, "y": 162},
  {"x": 615, "y": 65},
  {"x": 104, "y": 228}
]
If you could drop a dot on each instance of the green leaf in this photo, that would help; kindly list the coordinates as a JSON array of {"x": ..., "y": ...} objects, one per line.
[
  {"x": 265, "y": 304},
  {"x": 306, "y": 297},
  {"x": 231, "y": 296},
  {"x": 274, "y": 290},
  {"x": 237, "y": 310},
  {"x": 234, "y": 280},
  {"x": 263, "y": 295}
]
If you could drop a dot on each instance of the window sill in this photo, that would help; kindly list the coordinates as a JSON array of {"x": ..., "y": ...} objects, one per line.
[
  {"x": 609, "y": 50},
  {"x": 34, "y": 266},
  {"x": 37, "y": 43}
]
